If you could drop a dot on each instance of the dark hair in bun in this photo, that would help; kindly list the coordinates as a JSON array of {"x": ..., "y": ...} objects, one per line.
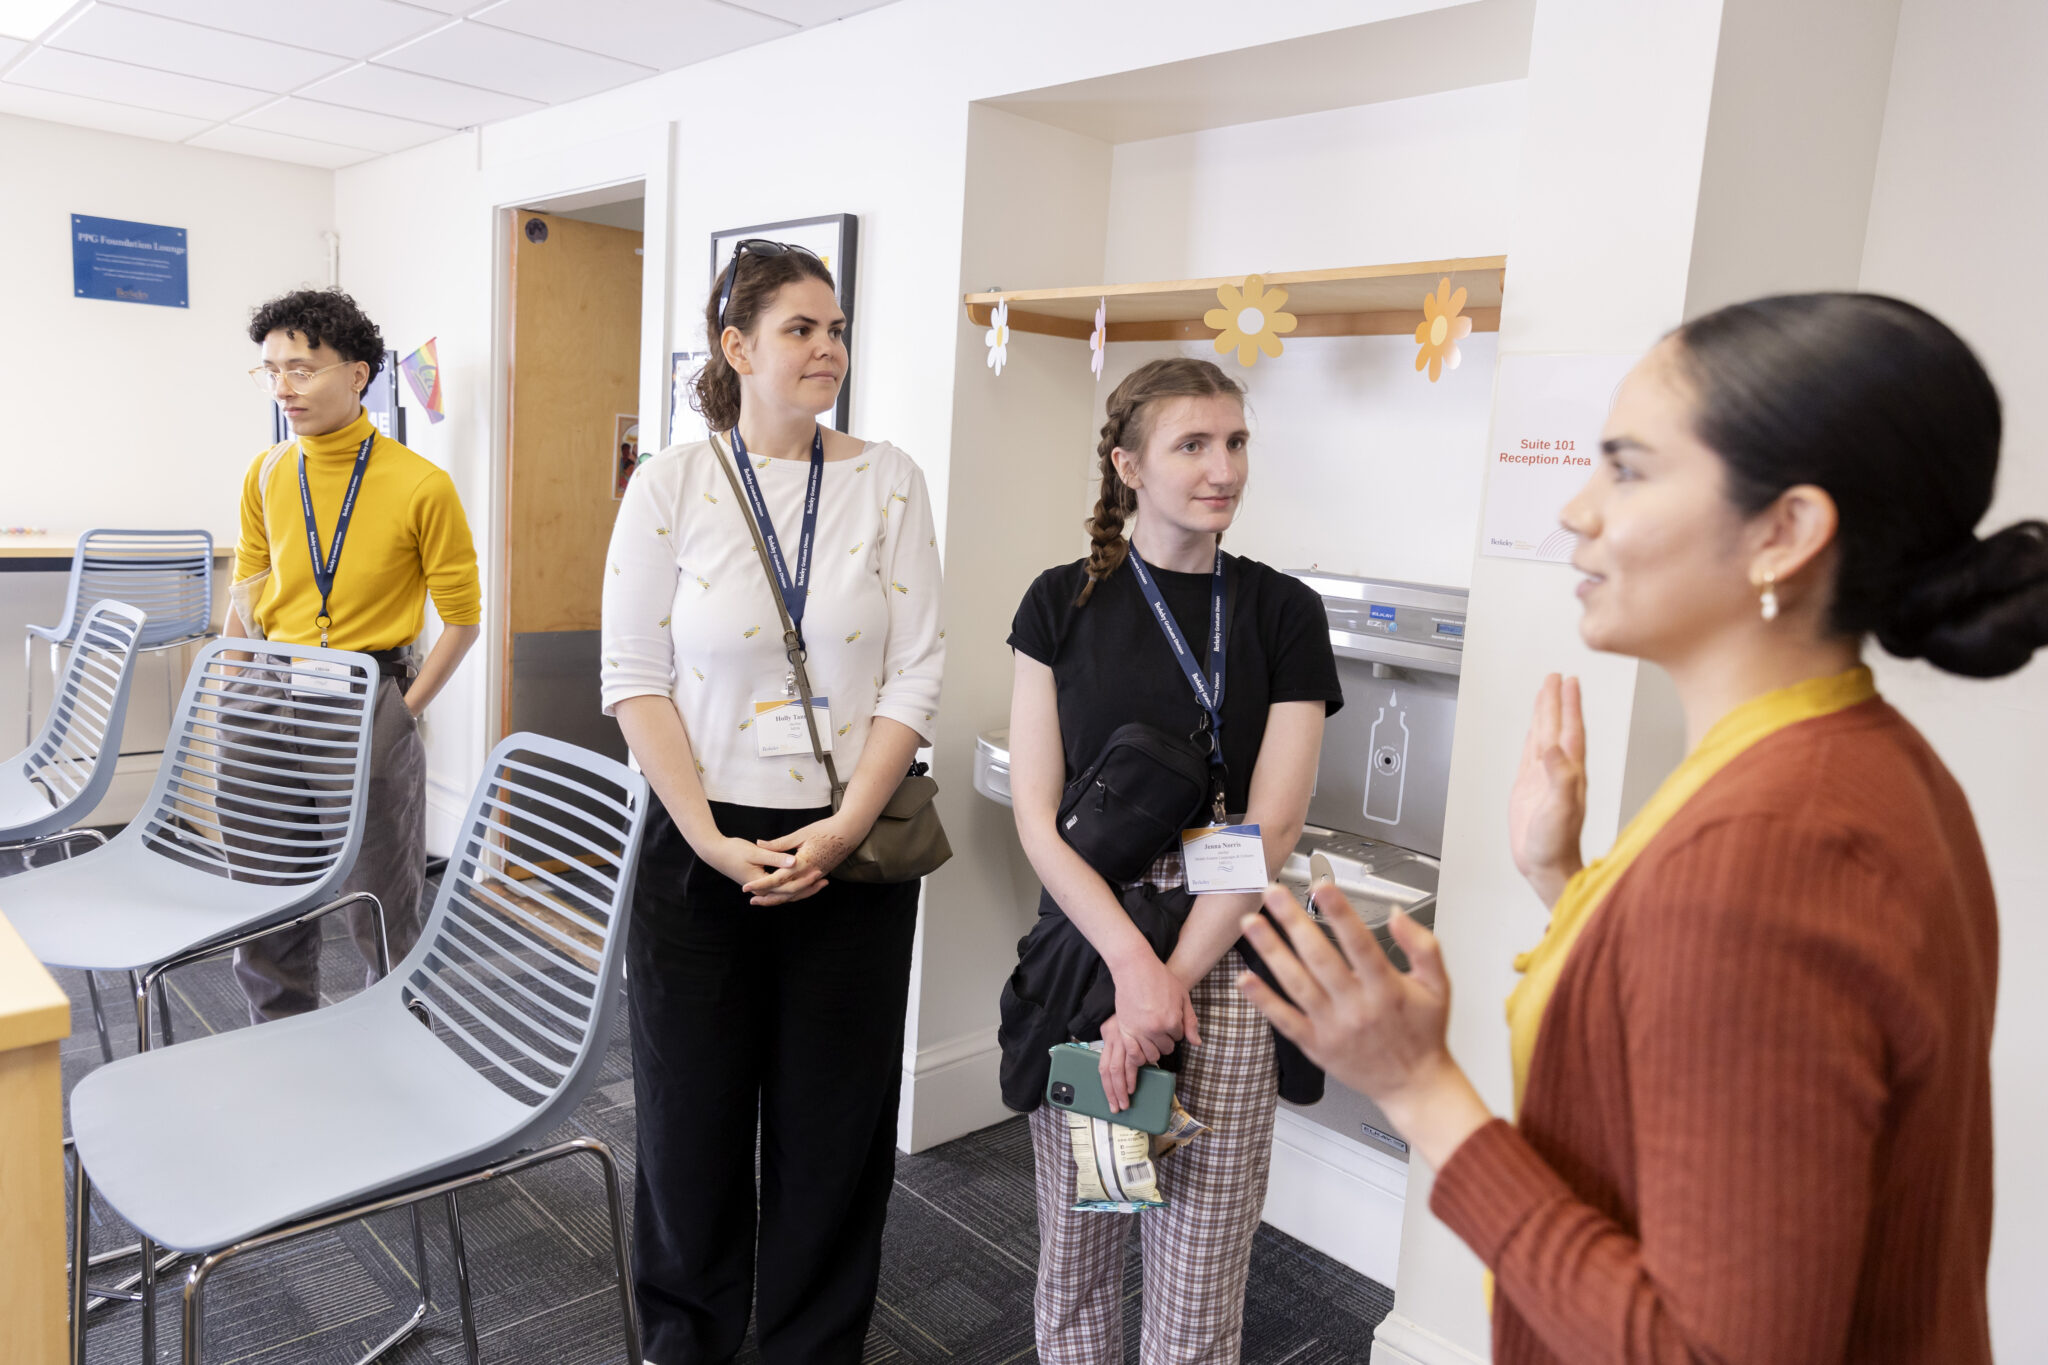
[{"x": 1881, "y": 405}]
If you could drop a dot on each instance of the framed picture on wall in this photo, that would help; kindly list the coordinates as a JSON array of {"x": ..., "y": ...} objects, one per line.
[
  {"x": 835, "y": 240},
  {"x": 683, "y": 422}
]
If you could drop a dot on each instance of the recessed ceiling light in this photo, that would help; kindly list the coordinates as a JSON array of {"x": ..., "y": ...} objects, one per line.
[{"x": 30, "y": 18}]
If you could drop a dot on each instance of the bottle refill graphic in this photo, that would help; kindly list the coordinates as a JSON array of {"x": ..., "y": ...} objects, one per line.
[{"x": 1386, "y": 774}]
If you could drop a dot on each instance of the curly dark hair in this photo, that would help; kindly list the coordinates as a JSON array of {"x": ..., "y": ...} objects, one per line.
[{"x": 324, "y": 317}]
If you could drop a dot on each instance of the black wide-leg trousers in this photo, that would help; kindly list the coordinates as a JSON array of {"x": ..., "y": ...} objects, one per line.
[{"x": 792, "y": 1016}]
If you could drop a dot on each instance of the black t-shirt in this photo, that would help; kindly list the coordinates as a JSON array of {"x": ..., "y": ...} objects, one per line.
[{"x": 1112, "y": 664}]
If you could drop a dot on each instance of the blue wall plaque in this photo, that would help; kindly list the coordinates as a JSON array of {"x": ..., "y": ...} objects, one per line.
[{"x": 112, "y": 258}]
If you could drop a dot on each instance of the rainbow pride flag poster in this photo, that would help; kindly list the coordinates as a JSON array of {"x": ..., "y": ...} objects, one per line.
[{"x": 422, "y": 370}]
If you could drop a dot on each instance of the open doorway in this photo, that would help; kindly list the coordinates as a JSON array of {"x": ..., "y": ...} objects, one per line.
[{"x": 575, "y": 436}]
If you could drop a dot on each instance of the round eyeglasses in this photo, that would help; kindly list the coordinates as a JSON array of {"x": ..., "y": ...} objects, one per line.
[{"x": 296, "y": 378}]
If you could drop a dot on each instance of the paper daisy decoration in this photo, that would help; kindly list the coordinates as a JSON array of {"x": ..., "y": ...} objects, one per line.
[
  {"x": 998, "y": 337},
  {"x": 1441, "y": 330},
  {"x": 1250, "y": 320},
  {"x": 1099, "y": 338}
]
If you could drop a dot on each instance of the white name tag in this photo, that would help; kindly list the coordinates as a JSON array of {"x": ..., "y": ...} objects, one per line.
[
  {"x": 1223, "y": 858},
  {"x": 322, "y": 675},
  {"x": 779, "y": 727}
]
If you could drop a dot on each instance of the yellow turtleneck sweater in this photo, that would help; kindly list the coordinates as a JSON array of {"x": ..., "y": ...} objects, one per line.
[{"x": 407, "y": 538}]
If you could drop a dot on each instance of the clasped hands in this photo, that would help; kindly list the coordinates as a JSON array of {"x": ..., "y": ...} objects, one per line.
[{"x": 786, "y": 870}]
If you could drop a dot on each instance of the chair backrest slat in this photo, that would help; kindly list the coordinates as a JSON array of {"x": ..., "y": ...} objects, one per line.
[
  {"x": 166, "y": 574},
  {"x": 72, "y": 757},
  {"x": 518, "y": 963},
  {"x": 244, "y": 791}
]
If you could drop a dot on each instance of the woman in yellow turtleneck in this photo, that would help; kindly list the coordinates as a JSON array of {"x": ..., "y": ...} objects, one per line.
[{"x": 407, "y": 538}]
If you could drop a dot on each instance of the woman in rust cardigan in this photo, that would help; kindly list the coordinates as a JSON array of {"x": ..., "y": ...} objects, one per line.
[{"x": 1752, "y": 1051}]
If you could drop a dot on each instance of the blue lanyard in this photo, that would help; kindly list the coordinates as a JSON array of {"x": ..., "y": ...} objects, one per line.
[
  {"x": 796, "y": 589},
  {"x": 1208, "y": 687},
  {"x": 324, "y": 566}
]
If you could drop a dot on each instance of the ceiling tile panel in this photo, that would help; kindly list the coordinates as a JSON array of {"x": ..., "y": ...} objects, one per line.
[
  {"x": 167, "y": 45},
  {"x": 402, "y": 94},
  {"x": 230, "y": 137},
  {"x": 352, "y": 28},
  {"x": 74, "y": 73},
  {"x": 666, "y": 35},
  {"x": 81, "y": 112},
  {"x": 9, "y": 49},
  {"x": 348, "y": 127},
  {"x": 513, "y": 62},
  {"x": 809, "y": 12}
]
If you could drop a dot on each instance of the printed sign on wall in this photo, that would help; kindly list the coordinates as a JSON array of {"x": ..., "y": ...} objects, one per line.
[
  {"x": 1548, "y": 412},
  {"x": 112, "y": 258}
]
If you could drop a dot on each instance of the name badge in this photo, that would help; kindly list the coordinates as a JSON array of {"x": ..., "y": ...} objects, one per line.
[
  {"x": 322, "y": 675},
  {"x": 1223, "y": 858},
  {"x": 779, "y": 728}
]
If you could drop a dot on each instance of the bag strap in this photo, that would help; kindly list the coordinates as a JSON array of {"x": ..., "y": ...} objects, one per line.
[
  {"x": 792, "y": 642},
  {"x": 277, "y": 452}
]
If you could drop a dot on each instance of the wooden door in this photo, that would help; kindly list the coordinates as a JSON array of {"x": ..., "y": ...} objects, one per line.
[{"x": 575, "y": 349}]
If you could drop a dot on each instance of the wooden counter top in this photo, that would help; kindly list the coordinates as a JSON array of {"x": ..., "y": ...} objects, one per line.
[
  {"x": 62, "y": 547},
  {"x": 33, "y": 1009}
]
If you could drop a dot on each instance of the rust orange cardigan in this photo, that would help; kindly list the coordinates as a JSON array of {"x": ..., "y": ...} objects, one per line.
[{"x": 1758, "y": 1119}]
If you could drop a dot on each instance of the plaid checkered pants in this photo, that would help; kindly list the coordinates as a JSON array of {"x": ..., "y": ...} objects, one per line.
[{"x": 1197, "y": 1250}]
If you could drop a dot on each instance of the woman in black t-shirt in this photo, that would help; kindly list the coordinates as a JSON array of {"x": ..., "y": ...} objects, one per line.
[{"x": 1091, "y": 656}]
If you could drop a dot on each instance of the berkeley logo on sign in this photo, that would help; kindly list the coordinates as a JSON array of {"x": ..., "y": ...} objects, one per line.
[{"x": 126, "y": 262}]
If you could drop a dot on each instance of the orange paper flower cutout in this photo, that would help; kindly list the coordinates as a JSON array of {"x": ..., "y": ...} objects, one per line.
[
  {"x": 1250, "y": 320},
  {"x": 1441, "y": 330}
]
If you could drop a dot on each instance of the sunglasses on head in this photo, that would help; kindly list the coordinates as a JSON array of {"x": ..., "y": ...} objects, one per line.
[{"x": 753, "y": 246}]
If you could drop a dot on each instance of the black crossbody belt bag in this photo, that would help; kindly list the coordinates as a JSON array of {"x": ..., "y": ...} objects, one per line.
[{"x": 1131, "y": 804}]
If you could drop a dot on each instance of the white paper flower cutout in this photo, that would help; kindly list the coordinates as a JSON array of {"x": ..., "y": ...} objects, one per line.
[
  {"x": 998, "y": 337},
  {"x": 1099, "y": 338}
]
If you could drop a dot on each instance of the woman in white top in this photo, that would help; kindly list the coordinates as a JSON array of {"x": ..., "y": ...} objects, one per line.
[{"x": 760, "y": 986}]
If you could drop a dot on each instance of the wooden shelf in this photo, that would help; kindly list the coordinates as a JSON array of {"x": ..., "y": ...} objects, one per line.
[{"x": 1366, "y": 300}]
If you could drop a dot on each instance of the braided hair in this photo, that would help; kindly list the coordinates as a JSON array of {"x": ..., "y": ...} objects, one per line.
[{"x": 1128, "y": 428}]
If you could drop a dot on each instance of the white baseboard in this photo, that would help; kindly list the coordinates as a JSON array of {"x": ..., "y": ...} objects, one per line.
[
  {"x": 1343, "y": 1198},
  {"x": 950, "y": 1089},
  {"x": 1400, "y": 1342}
]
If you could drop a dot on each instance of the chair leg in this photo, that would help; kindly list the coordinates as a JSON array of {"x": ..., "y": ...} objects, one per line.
[
  {"x": 148, "y": 1301},
  {"x": 163, "y": 1010},
  {"x": 621, "y": 1260},
  {"x": 141, "y": 994},
  {"x": 192, "y": 1333},
  {"x": 462, "y": 1282},
  {"x": 81, "y": 1240},
  {"x": 99, "y": 1016}
]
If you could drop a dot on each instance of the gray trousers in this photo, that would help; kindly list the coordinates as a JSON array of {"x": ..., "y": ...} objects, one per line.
[{"x": 280, "y": 972}]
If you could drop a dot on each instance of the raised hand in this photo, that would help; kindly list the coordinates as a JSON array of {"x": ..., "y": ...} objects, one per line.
[{"x": 1547, "y": 807}]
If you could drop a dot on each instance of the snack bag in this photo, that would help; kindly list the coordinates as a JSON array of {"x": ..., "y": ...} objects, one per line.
[{"x": 1114, "y": 1166}]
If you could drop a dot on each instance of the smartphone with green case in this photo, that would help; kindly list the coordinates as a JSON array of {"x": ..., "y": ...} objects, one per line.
[{"x": 1076, "y": 1084}]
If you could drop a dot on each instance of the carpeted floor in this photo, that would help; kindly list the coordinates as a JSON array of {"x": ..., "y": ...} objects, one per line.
[{"x": 957, "y": 1269}]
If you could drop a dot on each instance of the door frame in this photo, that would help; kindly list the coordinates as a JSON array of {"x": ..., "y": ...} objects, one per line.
[{"x": 644, "y": 155}]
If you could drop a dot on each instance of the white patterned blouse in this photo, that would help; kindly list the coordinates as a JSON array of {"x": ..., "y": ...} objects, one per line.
[{"x": 688, "y": 613}]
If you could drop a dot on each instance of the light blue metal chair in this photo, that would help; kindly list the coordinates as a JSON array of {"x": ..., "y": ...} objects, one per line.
[
  {"x": 57, "y": 781},
  {"x": 244, "y": 1140},
  {"x": 167, "y": 574},
  {"x": 248, "y": 827}
]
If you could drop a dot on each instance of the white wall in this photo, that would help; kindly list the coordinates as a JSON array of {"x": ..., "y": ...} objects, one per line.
[
  {"x": 124, "y": 414},
  {"x": 1360, "y": 465},
  {"x": 1955, "y": 226},
  {"x": 132, "y": 415}
]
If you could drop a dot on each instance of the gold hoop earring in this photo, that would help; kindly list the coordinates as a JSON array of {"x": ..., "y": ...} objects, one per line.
[{"x": 1768, "y": 599}]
